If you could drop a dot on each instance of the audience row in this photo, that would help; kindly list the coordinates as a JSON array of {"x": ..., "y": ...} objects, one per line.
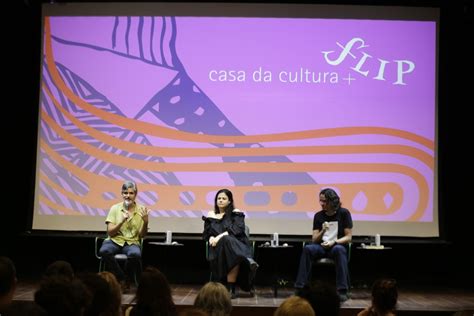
[{"x": 62, "y": 292}]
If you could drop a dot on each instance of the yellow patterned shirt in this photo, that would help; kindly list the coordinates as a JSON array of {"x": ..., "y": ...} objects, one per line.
[{"x": 130, "y": 230}]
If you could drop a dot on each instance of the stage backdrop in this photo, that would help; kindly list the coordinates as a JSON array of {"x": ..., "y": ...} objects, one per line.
[{"x": 274, "y": 102}]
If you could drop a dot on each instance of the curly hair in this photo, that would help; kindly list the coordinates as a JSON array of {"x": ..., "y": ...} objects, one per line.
[{"x": 332, "y": 198}]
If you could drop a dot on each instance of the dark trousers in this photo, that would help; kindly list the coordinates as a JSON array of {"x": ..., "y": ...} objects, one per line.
[
  {"x": 109, "y": 249},
  {"x": 312, "y": 252}
]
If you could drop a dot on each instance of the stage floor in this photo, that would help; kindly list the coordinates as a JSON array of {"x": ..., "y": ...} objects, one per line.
[{"x": 427, "y": 299}]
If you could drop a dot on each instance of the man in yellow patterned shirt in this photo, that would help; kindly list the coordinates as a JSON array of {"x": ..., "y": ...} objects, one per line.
[{"x": 127, "y": 224}]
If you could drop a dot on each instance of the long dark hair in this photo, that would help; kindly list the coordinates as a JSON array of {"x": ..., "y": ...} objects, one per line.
[
  {"x": 332, "y": 197},
  {"x": 153, "y": 295},
  {"x": 229, "y": 195},
  {"x": 384, "y": 295}
]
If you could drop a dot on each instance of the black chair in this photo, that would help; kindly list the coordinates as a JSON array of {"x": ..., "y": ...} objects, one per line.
[
  {"x": 121, "y": 258},
  {"x": 326, "y": 267}
]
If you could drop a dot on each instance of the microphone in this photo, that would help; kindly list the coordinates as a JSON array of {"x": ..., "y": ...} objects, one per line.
[{"x": 127, "y": 204}]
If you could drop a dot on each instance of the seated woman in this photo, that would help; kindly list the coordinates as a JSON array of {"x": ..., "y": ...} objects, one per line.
[{"x": 230, "y": 254}]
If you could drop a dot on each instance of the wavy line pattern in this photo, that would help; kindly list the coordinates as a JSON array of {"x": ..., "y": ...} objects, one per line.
[{"x": 88, "y": 146}]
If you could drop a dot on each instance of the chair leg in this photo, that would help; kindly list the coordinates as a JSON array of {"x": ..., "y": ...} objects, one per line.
[
  {"x": 348, "y": 284},
  {"x": 137, "y": 273}
]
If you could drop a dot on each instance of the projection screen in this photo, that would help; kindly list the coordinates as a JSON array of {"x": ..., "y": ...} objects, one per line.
[{"x": 272, "y": 101}]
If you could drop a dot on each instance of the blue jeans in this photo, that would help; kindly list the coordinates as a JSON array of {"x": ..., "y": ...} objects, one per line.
[
  {"x": 109, "y": 249},
  {"x": 315, "y": 251}
]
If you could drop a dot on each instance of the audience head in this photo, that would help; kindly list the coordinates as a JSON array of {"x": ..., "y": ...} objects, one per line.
[
  {"x": 59, "y": 297},
  {"x": 60, "y": 268},
  {"x": 215, "y": 299},
  {"x": 193, "y": 311},
  {"x": 22, "y": 308},
  {"x": 294, "y": 306},
  {"x": 154, "y": 294},
  {"x": 384, "y": 295},
  {"x": 323, "y": 297},
  {"x": 7, "y": 281},
  {"x": 115, "y": 307},
  {"x": 100, "y": 293}
]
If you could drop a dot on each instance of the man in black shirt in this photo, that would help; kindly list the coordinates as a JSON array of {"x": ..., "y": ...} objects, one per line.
[{"x": 332, "y": 232}]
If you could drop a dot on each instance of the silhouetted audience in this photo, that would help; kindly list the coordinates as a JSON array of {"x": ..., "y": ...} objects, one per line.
[
  {"x": 7, "y": 282},
  {"x": 464, "y": 313},
  {"x": 193, "y": 311},
  {"x": 22, "y": 308},
  {"x": 115, "y": 308},
  {"x": 100, "y": 292},
  {"x": 215, "y": 299},
  {"x": 153, "y": 297},
  {"x": 60, "y": 268},
  {"x": 323, "y": 297},
  {"x": 59, "y": 297},
  {"x": 294, "y": 306},
  {"x": 384, "y": 299}
]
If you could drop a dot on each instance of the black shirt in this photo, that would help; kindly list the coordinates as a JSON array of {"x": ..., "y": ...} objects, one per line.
[{"x": 342, "y": 217}]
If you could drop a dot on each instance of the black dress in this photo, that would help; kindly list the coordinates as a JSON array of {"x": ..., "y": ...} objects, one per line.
[{"x": 231, "y": 250}]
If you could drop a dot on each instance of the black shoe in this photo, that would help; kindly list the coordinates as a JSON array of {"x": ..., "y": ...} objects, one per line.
[
  {"x": 343, "y": 296},
  {"x": 252, "y": 292},
  {"x": 253, "y": 270},
  {"x": 125, "y": 287},
  {"x": 231, "y": 288},
  {"x": 299, "y": 291},
  {"x": 253, "y": 266}
]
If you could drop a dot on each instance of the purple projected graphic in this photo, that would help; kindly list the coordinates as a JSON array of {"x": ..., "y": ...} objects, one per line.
[{"x": 272, "y": 108}]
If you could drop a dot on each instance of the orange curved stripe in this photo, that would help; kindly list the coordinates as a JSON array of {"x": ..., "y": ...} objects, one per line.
[
  {"x": 157, "y": 151},
  {"x": 274, "y": 167},
  {"x": 97, "y": 187},
  {"x": 85, "y": 200},
  {"x": 160, "y": 131},
  {"x": 306, "y": 197},
  {"x": 65, "y": 210},
  {"x": 127, "y": 162}
]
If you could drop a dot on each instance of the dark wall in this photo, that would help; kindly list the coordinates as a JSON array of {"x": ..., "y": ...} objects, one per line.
[{"x": 412, "y": 261}]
